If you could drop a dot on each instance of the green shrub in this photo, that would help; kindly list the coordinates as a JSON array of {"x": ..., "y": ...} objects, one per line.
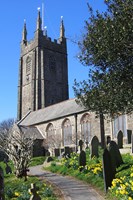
[{"x": 37, "y": 161}]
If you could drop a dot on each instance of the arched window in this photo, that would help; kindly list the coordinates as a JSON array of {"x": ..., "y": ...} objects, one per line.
[
  {"x": 50, "y": 130},
  {"x": 28, "y": 65},
  {"x": 120, "y": 123},
  {"x": 67, "y": 132},
  {"x": 85, "y": 128}
]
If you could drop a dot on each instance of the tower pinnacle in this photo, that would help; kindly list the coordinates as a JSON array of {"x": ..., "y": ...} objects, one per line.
[
  {"x": 24, "y": 34},
  {"x": 62, "y": 29},
  {"x": 39, "y": 21}
]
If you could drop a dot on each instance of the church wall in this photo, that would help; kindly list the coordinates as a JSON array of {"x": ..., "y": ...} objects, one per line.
[
  {"x": 95, "y": 126},
  {"x": 130, "y": 122}
]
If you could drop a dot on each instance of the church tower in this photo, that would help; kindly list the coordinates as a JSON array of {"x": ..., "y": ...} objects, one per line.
[{"x": 43, "y": 70}]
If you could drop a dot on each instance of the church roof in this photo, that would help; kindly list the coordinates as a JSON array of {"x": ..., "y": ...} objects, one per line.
[
  {"x": 56, "y": 111},
  {"x": 31, "y": 132}
]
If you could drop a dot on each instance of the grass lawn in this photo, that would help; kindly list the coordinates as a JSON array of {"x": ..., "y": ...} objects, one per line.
[{"x": 18, "y": 189}]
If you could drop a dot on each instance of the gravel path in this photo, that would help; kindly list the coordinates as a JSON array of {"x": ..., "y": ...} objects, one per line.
[{"x": 72, "y": 189}]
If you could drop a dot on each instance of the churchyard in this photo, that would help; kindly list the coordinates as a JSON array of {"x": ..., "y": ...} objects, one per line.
[
  {"x": 17, "y": 189},
  {"x": 107, "y": 170}
]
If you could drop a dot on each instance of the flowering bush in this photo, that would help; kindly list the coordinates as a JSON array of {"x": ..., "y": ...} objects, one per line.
[
  {"x": 122, "y": 187},
  {"x": 20, "y": 191},
  {"x": 72, "y": 161},
  {"x": 93, "y": 165}
]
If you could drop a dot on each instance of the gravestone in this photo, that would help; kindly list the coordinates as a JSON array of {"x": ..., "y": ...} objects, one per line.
[
  {"x": 49, "y": 159},
  {"x": 1, "y": 184},
  {"x": 129, "y": 136},
  {"x": 57, "y": 152},
  {"x": 87, "y": 144},
  {"x": 67, "y": 152},
  {"x": 94, "y": 147},
  {"x": 108, "y": 139},
  {"x": 120, "y": 139},
  {"x": 62, "y": 150},
  {"x": 108, "y": 174},
  {"x": 81, "y": 144},
  {"x": 116, "y": 158},
  {"x": 34, "y": 190},
  {"x": 82, "y": 160}
]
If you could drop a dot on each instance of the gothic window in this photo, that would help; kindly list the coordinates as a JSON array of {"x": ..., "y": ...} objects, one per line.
[
  {"x": 119, "y": 123},
  {"x": 50, "y": 130},
  {"x": 67, "y": 132},
  {"x": 85, "y": 128},
  {"x": 28, "y": 65}
]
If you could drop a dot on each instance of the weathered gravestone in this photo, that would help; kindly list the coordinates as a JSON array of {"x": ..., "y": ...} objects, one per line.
[
  {"x": 108, "y": 139},
  {"x": 129, "y": 136},
  {"x": 116, "y": 158},
  {"x": 94, "y": 147},
  {"x": 81, "y": 144},
  {"x": 34, "y": 190},
  {"x": 82, "y": 160},
  {"x": 108, "y": 174},
  {"x": 1, "y": 184},
  {"x": 120, "y": 139},
  {"x": 67, "y": 152},
  {"x": 57, "y": 152},
  {"x": 49, "y": 159}
]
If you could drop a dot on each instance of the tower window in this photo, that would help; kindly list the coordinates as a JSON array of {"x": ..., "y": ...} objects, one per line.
[{"x": 28, "y": 65}]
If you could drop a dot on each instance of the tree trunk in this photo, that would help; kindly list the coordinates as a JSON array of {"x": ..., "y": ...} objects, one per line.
[{"x": 102, "y": 130}]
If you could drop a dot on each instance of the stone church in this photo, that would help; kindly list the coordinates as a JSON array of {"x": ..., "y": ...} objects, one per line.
[{"x": 44, "y": 107}]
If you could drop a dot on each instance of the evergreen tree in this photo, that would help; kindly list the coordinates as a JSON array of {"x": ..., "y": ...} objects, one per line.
[{"x": 107, "y": 48}]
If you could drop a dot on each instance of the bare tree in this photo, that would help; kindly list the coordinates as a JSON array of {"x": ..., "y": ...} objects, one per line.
[
  {"x": 18, "y": 147},
  {"x": 6, "y": 125}
]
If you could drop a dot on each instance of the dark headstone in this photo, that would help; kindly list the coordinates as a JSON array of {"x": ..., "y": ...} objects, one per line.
[
  {"x": 57, "y": 152},
  {"x": 94, "y": 147},
  {"x": 49, "y": 159},
  {"x": 120, "y": 139},
  {"x": 108, "y": 139},
  {"x": 108, "y": 174},
  {"x": 129, "y": 136},
  {"x": 1, "y": 184},
  {"x": 62, "y": 150},
  {"x": 8, "y": 169},
  {"x": 67, "y": 151},
  {"x": 81, "y": 145},
  {"x": 116, "y": 158},
  {"x": 82, "y": 160}
]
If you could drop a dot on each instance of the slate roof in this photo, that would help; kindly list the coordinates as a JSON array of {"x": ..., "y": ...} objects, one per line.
[
  {"x": 56, "y": 111},
  {"x": 31, "y": 132}
]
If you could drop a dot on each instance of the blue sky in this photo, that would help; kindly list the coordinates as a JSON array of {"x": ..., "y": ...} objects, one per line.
[{"x": 12, "y": 15}]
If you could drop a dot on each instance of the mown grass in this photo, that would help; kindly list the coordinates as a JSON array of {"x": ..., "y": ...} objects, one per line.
[
  {"x": 18, "y": 189},
  {"x": 37, "y": 161}
]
